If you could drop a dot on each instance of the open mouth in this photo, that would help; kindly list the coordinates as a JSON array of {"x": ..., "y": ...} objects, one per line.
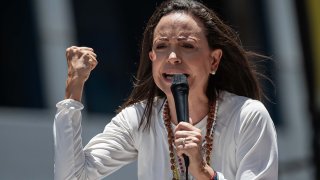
[{"x": 170, "y": 76}]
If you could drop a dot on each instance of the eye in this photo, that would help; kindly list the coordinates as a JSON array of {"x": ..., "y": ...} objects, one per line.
[
  {"x": 187, "y": 45},
  {"x": 160, "y": 46}
]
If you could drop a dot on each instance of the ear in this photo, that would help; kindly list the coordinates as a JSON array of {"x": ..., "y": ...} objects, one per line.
[
  {"x": 152, "y": 55},
  {"x": 215, "y": 59}
]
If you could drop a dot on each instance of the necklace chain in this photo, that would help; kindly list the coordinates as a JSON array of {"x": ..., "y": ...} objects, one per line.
[{"x": 208, "y": 140}]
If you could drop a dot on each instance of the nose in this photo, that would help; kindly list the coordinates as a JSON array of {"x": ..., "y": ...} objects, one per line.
[{"x": 173, "y": 58}]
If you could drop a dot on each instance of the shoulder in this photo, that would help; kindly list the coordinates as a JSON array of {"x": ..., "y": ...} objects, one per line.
[
  {"x": 244, "y": 105},
  {"x": 244, "y": 111},
  {"x": 246, "y": 120}
]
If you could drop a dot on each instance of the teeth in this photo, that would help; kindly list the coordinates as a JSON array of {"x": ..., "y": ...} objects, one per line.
[{"x": 170, "y": 76}]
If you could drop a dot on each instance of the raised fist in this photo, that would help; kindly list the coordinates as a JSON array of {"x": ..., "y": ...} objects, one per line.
[{"x": 81, "y": 61}]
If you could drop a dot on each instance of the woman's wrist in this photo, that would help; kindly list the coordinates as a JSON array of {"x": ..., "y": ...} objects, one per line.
[
  {"x": 74, "y": 88},
  {"x": 205, "y": 172}
]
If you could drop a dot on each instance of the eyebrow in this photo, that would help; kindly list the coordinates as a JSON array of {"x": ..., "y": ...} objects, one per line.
[
  {"x": 162, "y": 38},
  {"x": 179, "y": 38}
]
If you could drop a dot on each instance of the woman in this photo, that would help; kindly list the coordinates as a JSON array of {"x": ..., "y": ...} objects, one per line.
[{"x": 230, "y": 134}]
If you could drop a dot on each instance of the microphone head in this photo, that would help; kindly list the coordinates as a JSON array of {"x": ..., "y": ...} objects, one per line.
[
  {"x": 180, "y": 92},
  {"x": 179, "y": 79}
]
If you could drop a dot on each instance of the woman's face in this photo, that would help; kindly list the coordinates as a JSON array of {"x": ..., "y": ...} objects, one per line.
[{"x": 180, "y": 46}]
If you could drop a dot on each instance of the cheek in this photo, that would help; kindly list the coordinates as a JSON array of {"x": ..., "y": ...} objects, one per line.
[
  {"x": 155, "y": 66},
  {"x": 155, "y": 71},
  {"x": 206, "y": 70},
  {"x": 157, "y": 77},
  {"x": 206, "y": 65},
  {"x": 201, "y": 66}
]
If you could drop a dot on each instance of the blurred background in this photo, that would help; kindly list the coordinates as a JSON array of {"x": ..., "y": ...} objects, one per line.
[{"x": 35, "y": 34}]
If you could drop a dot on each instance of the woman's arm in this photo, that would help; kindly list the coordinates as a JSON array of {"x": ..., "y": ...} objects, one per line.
[
  {"x": 256, "y": 141},
  {"x": 104, "y": 154}
]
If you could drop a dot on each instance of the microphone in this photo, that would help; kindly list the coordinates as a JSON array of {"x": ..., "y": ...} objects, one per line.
[{"x": 180, "y": 92}]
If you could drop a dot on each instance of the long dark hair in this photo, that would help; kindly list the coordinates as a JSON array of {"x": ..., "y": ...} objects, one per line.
[{"x": 235, "y": 73}]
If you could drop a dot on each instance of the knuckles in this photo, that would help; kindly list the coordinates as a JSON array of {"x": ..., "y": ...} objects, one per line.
[{"x": 81, "y": 59}]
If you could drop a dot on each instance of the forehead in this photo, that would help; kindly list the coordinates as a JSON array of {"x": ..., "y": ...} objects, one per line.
[{"x": 179, "y": 24}]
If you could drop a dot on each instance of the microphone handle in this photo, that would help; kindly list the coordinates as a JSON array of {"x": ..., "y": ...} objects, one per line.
[
  {"x": 180, "y": 92},
  {"x": 182, "y": 110},
  {"x": 186, "y": 161},
  {"x": 181, "y": 103}
]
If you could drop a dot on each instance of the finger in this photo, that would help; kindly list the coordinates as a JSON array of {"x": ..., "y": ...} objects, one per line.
[
  {"x": 182, "y": 141},
  {"x": 183, "y": 134},
  {"x": 93, "y": 62},
  {"x": 72, "y": 50},
  {"x": 86, "y": 51},
  {"x": 70, "y": 54},
  {"x": 184, "y": 129},
  {"x": 68, "y": 51},
  {"x": 81, "y": 47},
  {"x": 92, "y": 54},
  {"x": 186, "y": 141},
  {"x": 185, "y": 126},
  {"x": 187, "y": 148},
  {"x": 92, "y": 58},
  {"x": 86, "y": 48},
  {"x": 89, "y": 60}
]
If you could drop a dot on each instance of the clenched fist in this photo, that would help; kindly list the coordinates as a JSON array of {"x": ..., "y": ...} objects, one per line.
[{"x": 81, "y": 61}]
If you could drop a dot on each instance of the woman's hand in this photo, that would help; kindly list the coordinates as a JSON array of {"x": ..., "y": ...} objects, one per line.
[
  {"x": 81, "y": 61},
  {"x": 188, "y": 141}
]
